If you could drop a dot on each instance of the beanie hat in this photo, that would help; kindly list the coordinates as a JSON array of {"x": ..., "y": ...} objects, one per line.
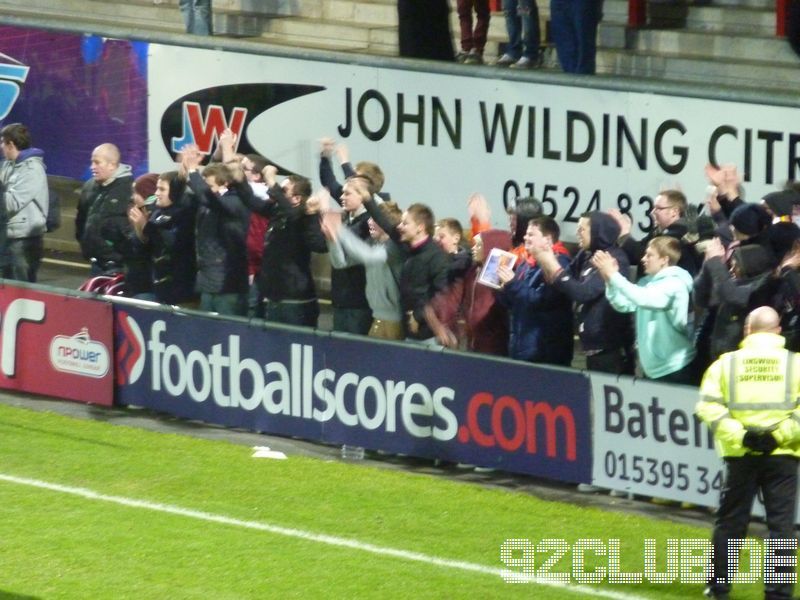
[
  {"x": 750, "y": 219},
  {"x": 782, "y": 203},
  {"x": 145, "y": 185}
]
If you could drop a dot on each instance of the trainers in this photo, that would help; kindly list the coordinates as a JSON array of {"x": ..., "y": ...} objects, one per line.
[
  {"x": 474, "y": 58},
  {"x": 524, "y": 63},
  {"x": 588, "y": 488},
  {"x": 462, "y": 57},
  {"x": 505, "y": 60},
  {"x": 710, "y": 592}
]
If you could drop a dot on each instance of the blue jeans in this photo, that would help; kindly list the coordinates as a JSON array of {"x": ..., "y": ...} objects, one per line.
[
  {"x": 522, "y": 25},
  {"x": 197, "y": 16},
  {"x": 573, "y": 26},
  {"x": 24, "y": 255}
]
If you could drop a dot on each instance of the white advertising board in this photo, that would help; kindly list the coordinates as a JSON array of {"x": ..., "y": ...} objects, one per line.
[{"x": 439, "y": 138}]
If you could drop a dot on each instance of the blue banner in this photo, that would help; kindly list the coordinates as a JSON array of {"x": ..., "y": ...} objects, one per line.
[{"x": 396, "y": 397}]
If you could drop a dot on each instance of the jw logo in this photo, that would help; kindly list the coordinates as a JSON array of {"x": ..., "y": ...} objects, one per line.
[
  {"x": 201, "y": 116},
  {"x": 204, "y": 130},
  {"x": 12, "y": 75}
]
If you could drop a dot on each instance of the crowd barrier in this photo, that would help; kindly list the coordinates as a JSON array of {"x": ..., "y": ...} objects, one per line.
[{"x": 565, "y": 425}]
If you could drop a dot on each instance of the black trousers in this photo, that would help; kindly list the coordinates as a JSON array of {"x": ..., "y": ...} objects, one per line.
[
  {"x": 776, "y": 477},
  {"x": 424, "y": 29}
]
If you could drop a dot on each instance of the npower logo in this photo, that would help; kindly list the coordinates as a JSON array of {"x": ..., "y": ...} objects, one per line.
[
  {"x": 295, "y": 387},
  {"x": 201, "y": 116},
  {"x": 12, "y": 75},
  {"x": 79, "y": 354}
]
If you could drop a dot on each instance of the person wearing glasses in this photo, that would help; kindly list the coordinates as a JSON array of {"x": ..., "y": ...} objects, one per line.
[{"x": 669, "y": 219}]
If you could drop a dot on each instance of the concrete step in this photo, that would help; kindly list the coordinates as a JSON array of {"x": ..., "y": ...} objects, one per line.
[
  {"x": 703, "y": 44},
  {"x": 728, "y": 19},
  {"x": 163, "y": 16},
  {"x": 738, "y": 73}
]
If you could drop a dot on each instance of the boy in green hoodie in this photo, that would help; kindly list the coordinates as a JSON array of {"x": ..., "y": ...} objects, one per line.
[{"x": 660, "y": 302}]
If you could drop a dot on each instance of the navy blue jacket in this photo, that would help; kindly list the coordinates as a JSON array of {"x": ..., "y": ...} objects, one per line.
[{"x": 541, "y": 317}]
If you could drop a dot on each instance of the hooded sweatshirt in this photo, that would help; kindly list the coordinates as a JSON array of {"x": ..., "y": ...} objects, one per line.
[
  {"x": 27, "y": 195},
  {"x": 661, "y": 306},
  {"x": 600, "y": 327}
]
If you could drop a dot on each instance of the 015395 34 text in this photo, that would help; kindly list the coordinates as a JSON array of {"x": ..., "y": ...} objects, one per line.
[
  {"x": 660, "y": 473},
  {"x": 594, "y": 561}
]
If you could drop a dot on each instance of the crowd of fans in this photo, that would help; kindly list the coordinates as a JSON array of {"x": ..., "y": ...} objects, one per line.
[{"x": 230, "y": 238}]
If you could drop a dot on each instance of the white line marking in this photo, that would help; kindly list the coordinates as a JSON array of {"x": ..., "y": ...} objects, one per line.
[{"x": 307, "y": 535}]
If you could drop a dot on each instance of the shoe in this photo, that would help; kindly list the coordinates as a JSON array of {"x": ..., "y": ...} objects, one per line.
[
  {"x": 464, "y": 466},
  {"x": 474, "y": 58},
  {"x": 505, "y": 61},
  {"x": 462, "y": 57},
  {"x": 484, "y": 470},
  {"x": 588, "y": 488},
  {"x": 709, "y": 592},
  {"x": 525, "y": 63}
]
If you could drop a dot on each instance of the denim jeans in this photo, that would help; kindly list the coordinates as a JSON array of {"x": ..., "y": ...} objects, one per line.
[
  {"x": 196, "y": 15},
  {"x": 522, "y": 26},
  {"x": 573, "y": 26},
  {"x": 24, "y": 255}
]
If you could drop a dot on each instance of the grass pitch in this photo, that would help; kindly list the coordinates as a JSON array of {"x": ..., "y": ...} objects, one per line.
[{"x": 64, "y": 543}]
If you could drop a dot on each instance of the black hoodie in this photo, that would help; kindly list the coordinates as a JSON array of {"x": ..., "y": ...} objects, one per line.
[{"x": 600, "y": 327}]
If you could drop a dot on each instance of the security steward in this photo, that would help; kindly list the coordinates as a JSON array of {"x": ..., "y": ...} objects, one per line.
[{"x": 749, "y": 399}]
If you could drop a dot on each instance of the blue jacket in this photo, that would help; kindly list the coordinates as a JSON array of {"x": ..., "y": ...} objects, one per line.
[
  {"x": 541, "y": 317},
  {"x": 661, "y": 304}
]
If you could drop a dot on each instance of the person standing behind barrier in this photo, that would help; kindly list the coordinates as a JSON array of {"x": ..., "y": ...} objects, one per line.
[
  {"x": 541, "y": 314},
  {"x": 660, "y": 302},
  {"x": 522, "y": 26},
  {"x": 383, "y": 261},
  {"x": 101, "y": 223},
  {"x": 749, "y": 399},
  {"x": 351, "y": 311},
  {"x": 473, "y": 41},
  {"x": 197, "y": 16},
  {"x": 606, "y": 335},
  {"x": 220, "y": 231},
  {"x": 573, "y": 27},
  {"x": 168, "y": 236},
  {"x": 26, "y": 202}
]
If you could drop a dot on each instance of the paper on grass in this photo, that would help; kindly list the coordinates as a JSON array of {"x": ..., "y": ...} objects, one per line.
[{"x": 265, "y": 452}]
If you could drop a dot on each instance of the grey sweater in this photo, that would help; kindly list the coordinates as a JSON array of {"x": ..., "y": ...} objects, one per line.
[{"x": 382, "y": 262}]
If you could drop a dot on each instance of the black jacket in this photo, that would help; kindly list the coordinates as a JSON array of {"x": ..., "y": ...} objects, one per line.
[
  {"x": 348, "y": 284},
  {"x": 220, "y": 233},
  {"x": 290, "y": 239},
  {"x": 101, "y": 224},
  {"x": 170, "y": 240},
  {"x": 424, "y": 273},
  {"x": 600, "y": 327}
]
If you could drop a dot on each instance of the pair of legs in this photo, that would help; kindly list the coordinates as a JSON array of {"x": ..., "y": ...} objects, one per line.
[
  {"x": 573, "y": 25},
  {"x": 197, "y": 16},
  {"x": 473, "y": 39},
  {"x": 24, "y": 255},
  {"x": 522, "y": 26},
  {"x": 776, "y": 477}
]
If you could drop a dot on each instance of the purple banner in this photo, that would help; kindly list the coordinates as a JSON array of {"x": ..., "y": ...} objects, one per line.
[
  {"x": 393, "y": 397},
  {"x": 80, "y": 91}
]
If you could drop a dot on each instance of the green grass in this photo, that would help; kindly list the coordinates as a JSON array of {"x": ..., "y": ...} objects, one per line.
[{"x": 56, "y": 545}]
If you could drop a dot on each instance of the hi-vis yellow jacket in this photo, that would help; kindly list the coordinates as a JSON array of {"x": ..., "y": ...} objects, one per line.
[{"x": 756, "y": 387}]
